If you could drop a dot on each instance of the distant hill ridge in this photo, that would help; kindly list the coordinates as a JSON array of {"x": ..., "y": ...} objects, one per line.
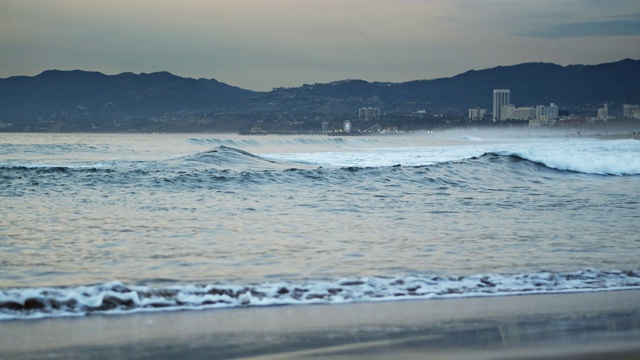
[
  {"x": 59, "y": 94},
  {"x": 122, "y": 94},
  {"x": 530, "y": 84}
]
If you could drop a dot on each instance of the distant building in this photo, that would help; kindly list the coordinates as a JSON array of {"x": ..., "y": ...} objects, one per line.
[
  {"x": 501, "y": 98},
  {"x": 547, "y": 113},
  {"x": 628, "y": 111},
  {"x": 603, "y": 112},
  {"x": 506, "y": 112},
  {"x": 369, "y": 113},
  {"x": 477, "y": 113},
  {"x": 522, "y": 113}
]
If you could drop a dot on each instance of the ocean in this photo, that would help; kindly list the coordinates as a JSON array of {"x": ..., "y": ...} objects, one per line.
[{"x": 127, "y": 223}]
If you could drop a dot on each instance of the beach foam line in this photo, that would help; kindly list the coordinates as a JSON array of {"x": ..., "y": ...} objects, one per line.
[
  {"x": 119, "y": 298},
  {"x": 552, "y": 326}
]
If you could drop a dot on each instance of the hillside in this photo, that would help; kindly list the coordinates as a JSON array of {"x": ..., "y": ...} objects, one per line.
[
  {"x": 82, "y": 96},
  {"x": 91, "y": 101},
  {"x": 530, "y": 84}
]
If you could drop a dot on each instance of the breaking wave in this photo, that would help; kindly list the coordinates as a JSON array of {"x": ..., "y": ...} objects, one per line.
[
  {"x": 604, "y": 162},
  {"x": 119, "y": 298},
  {"x": 227, "y": 166}
]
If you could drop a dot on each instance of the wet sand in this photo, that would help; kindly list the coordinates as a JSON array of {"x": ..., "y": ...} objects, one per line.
[{"x": 563, "y": 326}]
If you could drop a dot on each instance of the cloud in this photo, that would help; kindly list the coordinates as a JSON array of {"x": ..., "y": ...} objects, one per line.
[
  {"x": 625, "y": 26},
  {"x": 260, "y": 44}
]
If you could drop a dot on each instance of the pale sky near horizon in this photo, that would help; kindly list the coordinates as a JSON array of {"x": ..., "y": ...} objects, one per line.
[{"x": 262, "y": 44}]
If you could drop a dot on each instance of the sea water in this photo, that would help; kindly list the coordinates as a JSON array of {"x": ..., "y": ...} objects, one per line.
[{"x": 121, "y": 223}]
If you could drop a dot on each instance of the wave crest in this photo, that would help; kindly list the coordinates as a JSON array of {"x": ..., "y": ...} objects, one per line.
[
  {"x": 118, "y": 298},
  {"x": 224, "y": 155},
  {"x": 605, "y": 161}
]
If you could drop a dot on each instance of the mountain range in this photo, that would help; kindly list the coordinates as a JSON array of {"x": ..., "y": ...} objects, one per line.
[
  {"x": 530, "y": 84},
  {"x": 83, "y": 97},
  {"x": 123, "y": 94}
]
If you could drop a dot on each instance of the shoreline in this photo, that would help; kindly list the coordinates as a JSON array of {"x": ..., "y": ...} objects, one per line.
[
  {"x": 634, "y": 136},
  {"x": 572, "y": 326}
]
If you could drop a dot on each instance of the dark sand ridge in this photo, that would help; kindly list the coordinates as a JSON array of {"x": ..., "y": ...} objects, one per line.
[{"x": 566, "y": 326}]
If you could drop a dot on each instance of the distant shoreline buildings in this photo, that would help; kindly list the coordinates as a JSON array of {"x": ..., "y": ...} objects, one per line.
[
  {"x": 630, "y": 111},
  {"x": 504, "y": 110}
]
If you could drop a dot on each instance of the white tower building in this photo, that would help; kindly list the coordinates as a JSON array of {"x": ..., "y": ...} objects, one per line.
[{"x": 501, "y": 97}]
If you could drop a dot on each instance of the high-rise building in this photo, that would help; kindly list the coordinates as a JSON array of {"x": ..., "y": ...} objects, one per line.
[
  {"x": 477, "y": 113},
  {"x": 369, "y": 113},
  {"x": 547, "y": 113},
  {"x": 501, "y": 97}
]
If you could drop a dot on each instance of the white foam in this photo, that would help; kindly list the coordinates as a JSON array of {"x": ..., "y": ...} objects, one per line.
[
  {"x": 589, "y": 156},
  {"x": 620, "y": 157},
  {"x": 118, "y": 298}
]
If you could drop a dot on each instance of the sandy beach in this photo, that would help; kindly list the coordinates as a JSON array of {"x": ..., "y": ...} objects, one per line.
[{"x": 569, "y": 326}]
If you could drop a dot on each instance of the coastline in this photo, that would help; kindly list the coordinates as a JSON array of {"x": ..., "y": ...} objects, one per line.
[
  {"x": 634, "y": 136},
  {"x": 571, "y": 326}
]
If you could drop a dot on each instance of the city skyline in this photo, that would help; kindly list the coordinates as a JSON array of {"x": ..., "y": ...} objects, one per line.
[{"x": 260, "y": 45}]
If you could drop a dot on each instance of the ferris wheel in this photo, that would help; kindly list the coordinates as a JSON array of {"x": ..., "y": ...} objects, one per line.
[{"x": 346, "y": 126}]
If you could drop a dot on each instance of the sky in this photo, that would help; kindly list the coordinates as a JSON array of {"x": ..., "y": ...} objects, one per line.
[{"x": 263, "y": 44}]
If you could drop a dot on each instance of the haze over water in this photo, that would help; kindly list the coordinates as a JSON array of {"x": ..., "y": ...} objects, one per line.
[{"x": 189, "y": 221}]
